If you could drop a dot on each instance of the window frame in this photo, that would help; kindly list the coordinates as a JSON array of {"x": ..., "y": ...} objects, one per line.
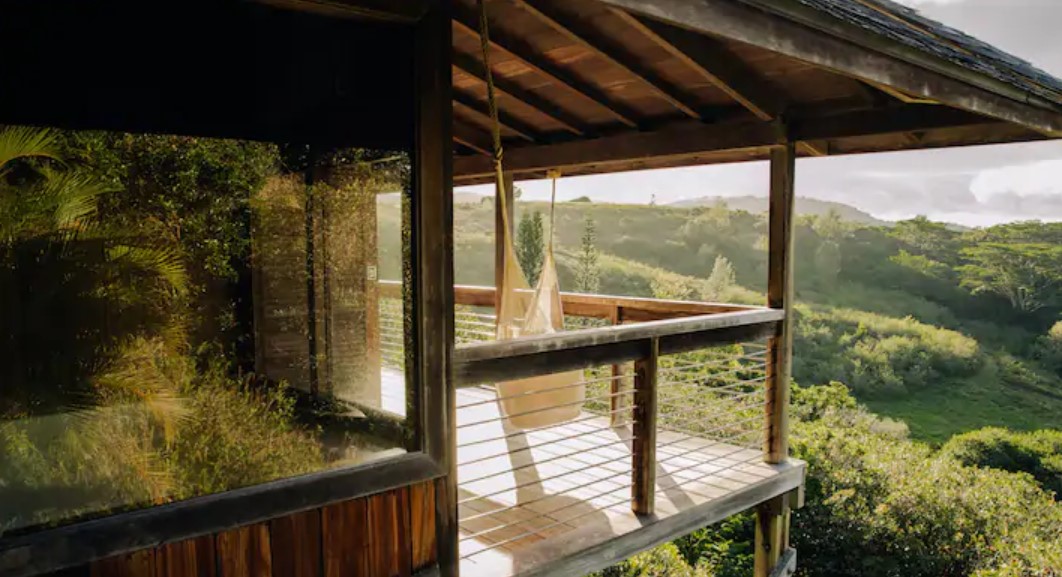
[{"x": 431, "y": 257}]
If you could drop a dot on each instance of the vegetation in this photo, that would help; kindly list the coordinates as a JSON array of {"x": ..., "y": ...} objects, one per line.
[
  {"x": 530, "y": 246},
  {"x": 880, "y": 504},
  {"x": 891, "y": 311},
  {"x": 936, "y": 333},
  {"x": 124, "y": 269}
]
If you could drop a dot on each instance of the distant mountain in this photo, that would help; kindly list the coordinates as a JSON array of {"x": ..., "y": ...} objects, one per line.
[{"x": 804, "y": 207}]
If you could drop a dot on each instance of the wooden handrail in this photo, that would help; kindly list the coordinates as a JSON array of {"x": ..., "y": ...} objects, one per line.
[
  {"x": 547, "y": 354},
  {"x": 630, "y": 309}
]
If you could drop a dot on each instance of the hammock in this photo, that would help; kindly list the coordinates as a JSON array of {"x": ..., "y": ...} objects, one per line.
[{"x": 537, "y": 401}]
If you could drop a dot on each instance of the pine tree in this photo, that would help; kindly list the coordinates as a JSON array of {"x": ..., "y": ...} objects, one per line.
[
  {"x": 721, "y": 279},
  {"x": 588, "y": 274},
  {"x": 530, "y": 250}
]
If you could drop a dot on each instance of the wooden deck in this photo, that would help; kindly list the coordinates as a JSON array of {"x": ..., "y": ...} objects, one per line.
[{"x": 530, "y": 499}]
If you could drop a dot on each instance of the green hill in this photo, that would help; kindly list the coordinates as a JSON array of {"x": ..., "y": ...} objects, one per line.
[
  {"x": 804, "y": 207},
  {"x": 893, "y": 312}
]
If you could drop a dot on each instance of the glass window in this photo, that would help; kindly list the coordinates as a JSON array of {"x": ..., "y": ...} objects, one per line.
[{"x": 183, "y": 316}]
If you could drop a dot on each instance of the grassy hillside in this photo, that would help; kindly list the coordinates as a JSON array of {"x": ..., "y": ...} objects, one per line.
[{"x": 883, "y": 309}]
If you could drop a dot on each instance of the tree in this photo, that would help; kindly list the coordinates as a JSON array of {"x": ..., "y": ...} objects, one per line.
[
  {"x": 530, "y": 251},
  {"x": 588, "y": 273},
  {"x": 1029, "y": 276},
  {"x": 721, "y": 279},
  {"x": 927, "y": 238}
]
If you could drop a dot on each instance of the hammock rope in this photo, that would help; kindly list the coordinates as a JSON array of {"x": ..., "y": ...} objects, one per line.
[{"x": 548, "y": 399}]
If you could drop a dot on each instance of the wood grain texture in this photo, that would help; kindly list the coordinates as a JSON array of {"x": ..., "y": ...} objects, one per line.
[
  {"x": 189, "y": 558},
  {"x": 245, "y": 552},
  {"x": 643, "y": 483},
  {"x": 422, "y": 524},
  {"x": 390, "y": 552},
  {"x": 296, "y": 544},
  {"x": 780, "y": 297},
  {"x": 344, "y": 539},
  {"x": 137, "y": 564}
]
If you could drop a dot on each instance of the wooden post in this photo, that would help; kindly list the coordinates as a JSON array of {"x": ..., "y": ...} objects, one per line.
[
  {"x": 643, "y": 489},
  {"x": 499, "y": 233},
  {"x": 433, "y": 268},
  {"x": 619, "y": 415},
  {"x": 772, "y": 518},
  {"x": 780, "y": 296},
  {"x": 772, "y": 535}
]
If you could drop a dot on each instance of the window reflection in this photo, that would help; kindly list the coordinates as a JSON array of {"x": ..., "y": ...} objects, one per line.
[{"x": 184, "y": 316}]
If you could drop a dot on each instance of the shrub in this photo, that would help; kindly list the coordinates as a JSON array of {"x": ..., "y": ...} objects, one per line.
[
  {"x": 1039, "y": 454},
  {"x": 878, "y": 355},
  {"x": 880, "y": 505}
]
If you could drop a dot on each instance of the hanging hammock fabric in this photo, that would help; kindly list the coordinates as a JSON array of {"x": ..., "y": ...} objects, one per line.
[{"x": 545, "y": 400}]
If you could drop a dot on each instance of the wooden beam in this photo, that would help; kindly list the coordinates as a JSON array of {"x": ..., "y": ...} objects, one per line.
[
  {"x": 431, "y": 308},
  {"x": 595, "y": 546},
  {"x": 772, "y": 518},
  {"x": 772, "y": 536},
  {"x": 502, "y": 86},
  {"x": 780, "y": 297},
  {"x": 518, "y": 49},
  {"x": 643, "y": 449},
  {"x": 506, "y": 120},
  {"x": 713, "y": 62},
  {"x": 694, "y": 138},
  {"x": 611, "y": 53},
  {"x": 760, "y": 28},
  {"x": 471, "y": 137},
  {"x": 815, "y": 147},
  {"x": 550, "y": 354}
]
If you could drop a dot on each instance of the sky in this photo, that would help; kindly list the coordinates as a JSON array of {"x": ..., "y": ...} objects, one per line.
[{"x": 974, "y": 186}]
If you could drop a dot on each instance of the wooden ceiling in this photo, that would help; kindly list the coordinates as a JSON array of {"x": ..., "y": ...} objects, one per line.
[{"x": 589, "y": 86}]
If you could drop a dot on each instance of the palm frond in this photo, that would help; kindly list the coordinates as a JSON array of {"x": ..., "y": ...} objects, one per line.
[
  {"x": 25, "y": 142},
  {"x": 71, "y": 195},
  {"x": 162, "y": 262}
]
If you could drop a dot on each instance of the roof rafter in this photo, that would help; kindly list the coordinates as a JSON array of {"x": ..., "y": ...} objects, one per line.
[
  {"x": 472, "y": 137},
  {"x": 526, "y": 55},
  {"x": 474, "y": 68},
  {"x": 506, "y": 120},
  {"x": 713, "y": 62},
  {"x": 722, "y": 68},
  {"x": 601, "y": 46}
]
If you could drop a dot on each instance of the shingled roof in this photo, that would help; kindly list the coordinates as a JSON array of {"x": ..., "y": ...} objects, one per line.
[{"x": 909, "y": 27}]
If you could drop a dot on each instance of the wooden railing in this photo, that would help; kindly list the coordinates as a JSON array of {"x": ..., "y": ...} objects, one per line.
[{"x": 676, "y": 327}]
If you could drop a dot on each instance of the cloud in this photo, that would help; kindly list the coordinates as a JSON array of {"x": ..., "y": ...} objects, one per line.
[{"x": 1034, "y": 180}]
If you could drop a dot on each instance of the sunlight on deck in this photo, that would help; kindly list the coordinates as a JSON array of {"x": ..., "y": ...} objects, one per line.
[{"x": 529, "y": 497}]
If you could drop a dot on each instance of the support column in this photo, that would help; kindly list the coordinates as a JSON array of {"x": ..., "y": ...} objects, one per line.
[
  {"x": 780, "y": 296},
  {"x": 432, "y": 268},
  {"x": 643, "y": 487},
  {"x": 505, "y": 189},
  {"x": 772, "y": 518}
]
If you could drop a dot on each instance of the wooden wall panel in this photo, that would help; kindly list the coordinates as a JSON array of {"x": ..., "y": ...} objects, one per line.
[
  {"x": 296, "y": 544},
  {"x": 391, "y": 534},
  {"x": 245, "y": 552},
  {"x": 422, "y": 524},
  {"x": 194, "y": 557},
  {"x": 390, "y": 552},
  {"x": 344, "y": 539},
  {"x": 138, "y": 564}
]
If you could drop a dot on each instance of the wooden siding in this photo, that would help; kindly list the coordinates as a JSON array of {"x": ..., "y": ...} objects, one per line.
[{"x": 391, "y": 534}]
